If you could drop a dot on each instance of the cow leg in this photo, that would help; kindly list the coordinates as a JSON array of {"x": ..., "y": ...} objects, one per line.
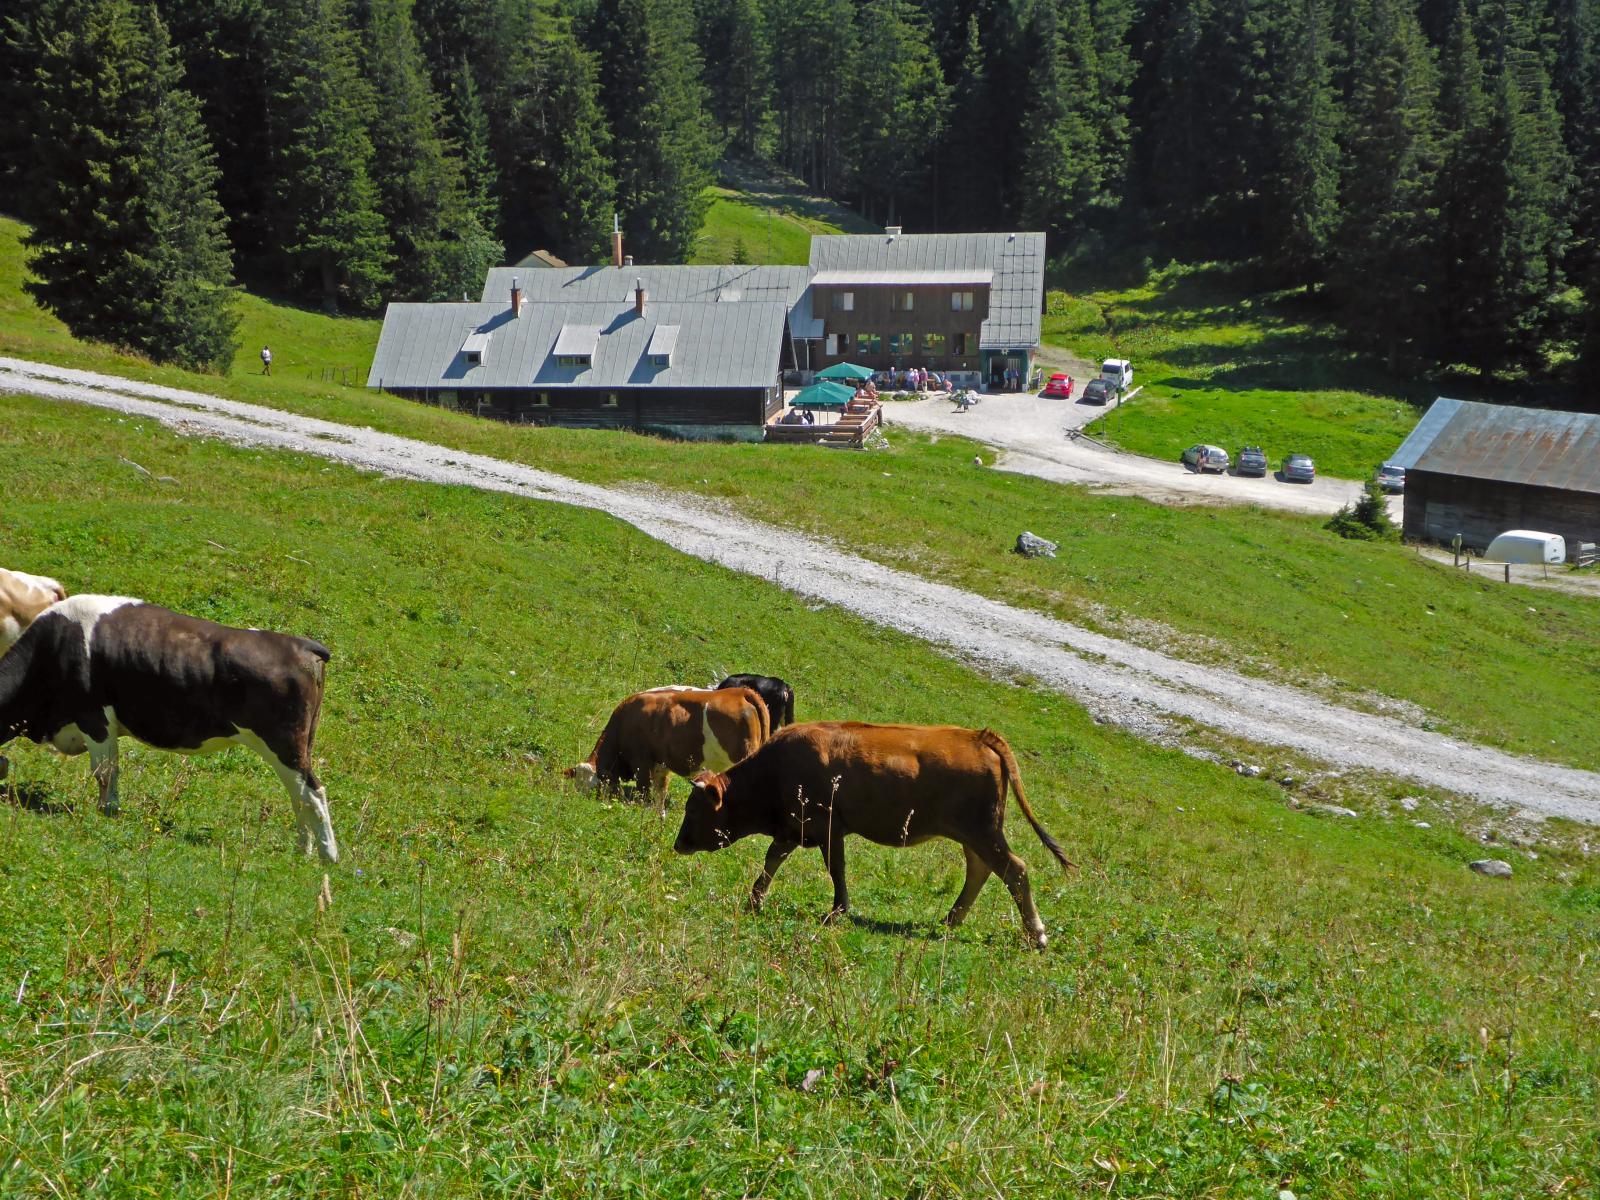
[
  {"x": 314, "y": 799},
  {"x": 103, "y": 766},
  {"x": 978, "y": 873},
  {"x": 833, "y": 858},
  {"x": 1015, "y": 873},
  {"x": 659, "y": 778},
  {"x": 776, "y": 853},
  {"x": 306, "y": 794}
]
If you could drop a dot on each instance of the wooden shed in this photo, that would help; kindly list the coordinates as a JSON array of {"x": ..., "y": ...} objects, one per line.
[{"x": 1477, "y": 470}]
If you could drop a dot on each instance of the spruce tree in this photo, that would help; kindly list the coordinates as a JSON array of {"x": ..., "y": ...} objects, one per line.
[
  {"x": 1300, "y": 181},
  {"x": 664, "y": 144},
  {"x": 734, "y": 36},
  {"x": 129, "y": 245},
  {"x": 440, "y": 248},
  {"x": 969, "y": 189},
  {"x": 811, "y": 76},
  {"x": 21, "y": 34},
  {"x": 468, "y": 127},
  {"x": 582, "y": 196},
  {"x": 331, "y": 234},
  {"x": 1060, "y": 175}
]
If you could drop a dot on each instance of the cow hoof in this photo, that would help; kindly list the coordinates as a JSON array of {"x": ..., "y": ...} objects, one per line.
[{"x": 1040, "y": 941}]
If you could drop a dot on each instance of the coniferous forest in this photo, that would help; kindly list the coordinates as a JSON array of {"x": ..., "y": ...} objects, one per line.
[{"x": 1428, "y": 171}]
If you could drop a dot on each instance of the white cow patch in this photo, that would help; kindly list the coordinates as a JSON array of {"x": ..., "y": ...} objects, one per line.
[
  {"x": 43, "y": 582},
  {"x": 86, "y": 611},
  {"x": 712, "y": 756}
]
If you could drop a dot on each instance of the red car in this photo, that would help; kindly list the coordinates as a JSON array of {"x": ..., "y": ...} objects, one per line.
[{"x": 1059, "y": 385}]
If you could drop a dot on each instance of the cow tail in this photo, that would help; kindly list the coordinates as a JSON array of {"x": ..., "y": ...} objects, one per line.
[
  {"x": 319, "y": 674},
  {"x": 766, "y": 717},
  {"x": 1012, "y": 775}
]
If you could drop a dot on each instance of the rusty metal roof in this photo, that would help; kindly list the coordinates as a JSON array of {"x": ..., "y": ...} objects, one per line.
[{"x": 1530, "y": 446}]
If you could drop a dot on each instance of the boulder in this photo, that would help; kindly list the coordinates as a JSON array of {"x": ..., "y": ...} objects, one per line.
[
  {"x": 1495, "y": 868},
  {"x": 1030, "y": 546}
]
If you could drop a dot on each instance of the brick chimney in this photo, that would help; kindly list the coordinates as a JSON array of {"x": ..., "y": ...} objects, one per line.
[
  {"x": 638, "y": 296},
  {"x": 616, "y": 241},
  {"x": 516, "y": 297}
]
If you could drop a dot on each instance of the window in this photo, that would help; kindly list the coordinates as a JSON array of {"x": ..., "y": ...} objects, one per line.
[
  {"x": 572, "y": 360},
  {"x": 958, "y": 344},
  {"x": 961, "y": 301},
  {"x": 611, "y": 400},
  {"x": 869, "y": 343},
  {"x": 661, "y": 360},
  {"x": 902, "y": 343},
  {"x": 903, "y": 301},
  {"x": 933, "y": 343},
  {"x": 844, "y": 301},
  {"x": 831, "y": 346},
  {"x": 541, "y": 400},
  {"x": 473, "y": 357}
]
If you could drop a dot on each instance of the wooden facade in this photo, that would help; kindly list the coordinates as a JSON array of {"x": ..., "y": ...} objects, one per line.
[
  {"x": 926, "y": 332},
  {"x": 1439, "y": 506},
  {"x": 681, "y": 412}
]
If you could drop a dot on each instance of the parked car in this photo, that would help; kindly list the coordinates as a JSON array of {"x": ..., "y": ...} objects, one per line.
[
  {"x": 1391, "y": 478},
  {"x": 1059, "y": 387},
  {"x": 1096, "y": 392},
  {"x": 1252, "y": 460},
  {"x": 1298, "y": 468},
  {"x": 1205, "y": 458},
  {"x": 1118, "y": 373}
]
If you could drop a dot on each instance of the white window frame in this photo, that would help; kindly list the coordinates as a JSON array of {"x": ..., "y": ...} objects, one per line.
[
  {"x": 962, "y": 301},
  {"x": 844, "y": 301}
]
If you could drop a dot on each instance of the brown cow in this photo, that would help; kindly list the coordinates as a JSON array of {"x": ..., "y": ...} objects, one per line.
[
  {"x": 682, "y": 731},
  {"x": 893, "y": 784},
  {"x": 22, "y": 598}
]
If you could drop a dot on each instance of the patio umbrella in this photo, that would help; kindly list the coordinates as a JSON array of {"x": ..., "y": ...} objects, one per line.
[
  {"x": 823, "y": 395},
  {"x": 845, "y": 371}
]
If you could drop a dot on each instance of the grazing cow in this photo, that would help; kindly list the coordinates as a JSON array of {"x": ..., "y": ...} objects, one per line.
[
  {"x": 22, "y": 598},
  {"x": 778, "y": 695},
  {"x": 896, "y": 785},
  {"x": 682, "y": 732},
  {"x": 92, "y": 668}
]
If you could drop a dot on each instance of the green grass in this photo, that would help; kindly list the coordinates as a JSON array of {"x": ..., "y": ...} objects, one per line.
[
  {"x": 1367, "y": 625},
  {"x": 519, "y": 991},
  {"x": 772, "y": 215},
  {"x": 1220, "y": 364}
]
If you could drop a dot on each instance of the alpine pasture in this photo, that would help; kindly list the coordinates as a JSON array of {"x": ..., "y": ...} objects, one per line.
[{"x": 506, "y": 988}]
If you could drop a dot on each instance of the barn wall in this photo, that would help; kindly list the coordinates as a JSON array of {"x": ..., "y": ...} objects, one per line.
[
  {"x": 701, "y": 412},
  {"x": 1437, "y": 507}
]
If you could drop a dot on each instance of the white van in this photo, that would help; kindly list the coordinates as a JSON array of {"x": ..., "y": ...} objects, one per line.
[
  {"x": 1527, "y": 546},
  {"x": 1118, "y": 373}
]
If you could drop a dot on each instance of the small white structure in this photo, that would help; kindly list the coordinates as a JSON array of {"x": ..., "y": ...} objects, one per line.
[{"x": 1527, "y": 546}]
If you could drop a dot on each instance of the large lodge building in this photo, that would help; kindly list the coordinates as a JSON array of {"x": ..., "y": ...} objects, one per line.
[{"x": 703, "y": 351}]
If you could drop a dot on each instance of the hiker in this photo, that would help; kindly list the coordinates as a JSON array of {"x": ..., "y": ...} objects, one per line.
[{"x": 266, "y": 360}]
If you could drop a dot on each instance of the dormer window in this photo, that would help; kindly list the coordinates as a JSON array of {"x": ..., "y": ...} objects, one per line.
[
  {"x": 576, "y": 345},
  {"x": 663, "y": 341},
  {"x": 475, "y": 349}
]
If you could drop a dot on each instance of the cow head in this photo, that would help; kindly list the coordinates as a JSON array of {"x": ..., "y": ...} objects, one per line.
[
  {"x": 584, "y": 776},
  {"x": 22, "y": 598},
  {"x": 705, "y": 818}
]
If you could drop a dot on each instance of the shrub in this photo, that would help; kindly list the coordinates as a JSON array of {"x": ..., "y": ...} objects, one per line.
[{"x": 1367, "y": 519}]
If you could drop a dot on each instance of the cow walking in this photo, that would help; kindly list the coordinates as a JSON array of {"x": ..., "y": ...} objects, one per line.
[
  {"x": 681, "y": 732},
  {"x": 91, "y": 669},
  {"x": 896, "y": 785}
]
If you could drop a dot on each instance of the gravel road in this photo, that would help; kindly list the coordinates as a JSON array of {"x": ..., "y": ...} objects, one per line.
[
  {"x": 1030, "y": 432},
  {"x": 1118, "y": 682}
]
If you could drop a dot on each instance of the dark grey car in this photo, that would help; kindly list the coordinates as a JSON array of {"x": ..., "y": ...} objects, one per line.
[
  {"x": 1298, "y": 468},
  {"x": 1251, "y": 460}
]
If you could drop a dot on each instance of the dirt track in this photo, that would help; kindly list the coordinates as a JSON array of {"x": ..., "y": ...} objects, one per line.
[{"x": 1119, "y": 682}]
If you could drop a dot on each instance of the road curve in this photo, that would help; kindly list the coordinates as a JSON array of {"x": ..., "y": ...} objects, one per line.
[{"x": 1117, "y": 681}]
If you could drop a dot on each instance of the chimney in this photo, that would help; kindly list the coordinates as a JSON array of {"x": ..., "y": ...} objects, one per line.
[
  {"x": 627, "y": 260},
  {"x": 516, "y": 297},
  {"x": 616, "y": 241},
  {"x": 892, "y": 230},
  {"x": 638, "y": 296}
]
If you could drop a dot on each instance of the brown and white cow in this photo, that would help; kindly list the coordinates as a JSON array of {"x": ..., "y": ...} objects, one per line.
[
  {"x": 683, "y": 731},
  {"x": 896, "y": 785},
  {"x": 93, "y": 668},
  {"x": 22, "y": 598}
]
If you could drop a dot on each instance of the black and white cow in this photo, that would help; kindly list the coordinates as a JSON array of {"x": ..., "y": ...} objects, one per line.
[
  {"x": 90, "y": 669},
  {"x": 778, "y": 695}
]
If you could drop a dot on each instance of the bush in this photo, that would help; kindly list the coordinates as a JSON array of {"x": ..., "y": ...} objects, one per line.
[{"x": 1366, "y": 520}]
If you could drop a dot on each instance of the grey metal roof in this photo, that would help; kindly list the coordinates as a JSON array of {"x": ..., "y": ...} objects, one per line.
[
  {"x": 891, "y": 275},
  {"x": 662, "y": 340},
  {"x": 718, "y": 345},
  {"x": 1016, "y": 295},
  {"x": 1507, "y": 444}
]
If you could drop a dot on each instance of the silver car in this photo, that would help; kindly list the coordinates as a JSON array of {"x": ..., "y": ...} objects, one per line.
[
  {"x": 1298, "y": 468},
  {"x": 1205, "y": 458},
  {"x": 1391, "y": 478}
]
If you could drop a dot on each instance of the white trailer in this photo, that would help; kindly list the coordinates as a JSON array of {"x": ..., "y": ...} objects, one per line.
[{"x": 1527, "y": 546}]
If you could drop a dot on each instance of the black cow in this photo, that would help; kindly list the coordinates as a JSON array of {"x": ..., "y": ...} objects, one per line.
[
  {"x": 93, "y": 668},
  {"x": 778, "y": 695}
]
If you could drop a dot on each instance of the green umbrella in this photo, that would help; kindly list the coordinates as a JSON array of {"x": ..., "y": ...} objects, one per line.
[
  {"x": 845, "y": 371},
  {"x": 824, "y": 395}
]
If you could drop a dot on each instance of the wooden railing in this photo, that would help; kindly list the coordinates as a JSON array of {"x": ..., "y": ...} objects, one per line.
[{"x": 860, "y": 418}]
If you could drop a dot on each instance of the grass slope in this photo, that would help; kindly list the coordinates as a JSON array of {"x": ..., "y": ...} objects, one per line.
[
  {"x": 1219, "y": 364},
  {"x": 1368, "y": 625},
  {"x": 518, "y": 991},
  {"x": 772, "y": 215}
]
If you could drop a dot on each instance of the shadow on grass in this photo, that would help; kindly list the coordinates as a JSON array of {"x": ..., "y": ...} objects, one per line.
[
  {"x": 34, "y": 798},
  {"x": 911, "y": 929}
]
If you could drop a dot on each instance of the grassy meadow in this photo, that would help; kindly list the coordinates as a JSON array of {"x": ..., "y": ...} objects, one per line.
[
  {"x": 772, "y": 215},
  {"x": 1221, "y": 364},
  {"x": 520, "y": 991}
]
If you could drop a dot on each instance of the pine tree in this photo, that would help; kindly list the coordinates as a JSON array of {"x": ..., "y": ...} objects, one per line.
[
  {"x": 1383, "y": 246},
  {"x": 663, "y": 143},
  {"x": 811, "y": 74},
  {"x": 582, "y": 197},
  {"x": 1060, "y": 176},
  {"x": 440, "y": 248},
  {"x": 969, "y": 192},
  {"x": 21, "y": 34},
  {"x": 1300, "y": 183},
  {"x": 734, "y": 36},
  {"x": 897, "y": 108},
  {"x": 331, "y": 234},
  {"x": 468, "y": 128},
  {"x": 129, "y": 245}
]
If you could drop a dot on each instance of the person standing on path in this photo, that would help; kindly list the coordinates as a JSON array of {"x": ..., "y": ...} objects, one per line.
[{"x": 266, "y": 360}]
